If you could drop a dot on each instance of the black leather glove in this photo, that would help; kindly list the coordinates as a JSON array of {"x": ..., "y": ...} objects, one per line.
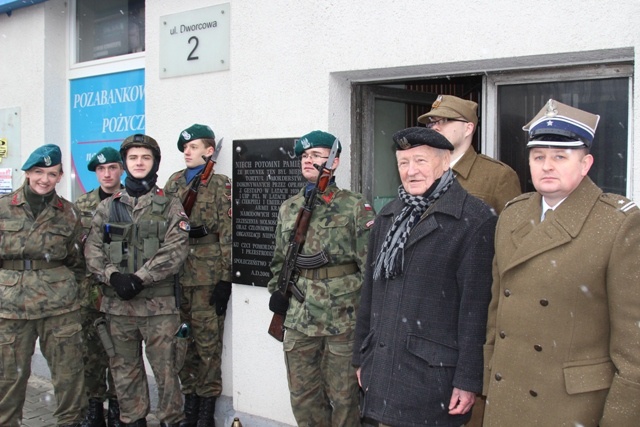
[
  {"x": 220, "y": 296},
  {"x": 278, "y": 303},
  {"x": 126, "y": 286}
]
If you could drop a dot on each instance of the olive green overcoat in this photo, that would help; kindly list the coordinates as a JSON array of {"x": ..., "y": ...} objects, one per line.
[{"x": 563, "y": 331}]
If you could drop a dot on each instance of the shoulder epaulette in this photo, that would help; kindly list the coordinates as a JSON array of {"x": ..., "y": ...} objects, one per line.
[
  {"x": 619, "y": 202},
  {"x": 525, "y": 196},
  {"x": 491, "y": 159}
]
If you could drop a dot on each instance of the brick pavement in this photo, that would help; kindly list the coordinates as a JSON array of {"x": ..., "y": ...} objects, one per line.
[{"x": 41, "y": 403}]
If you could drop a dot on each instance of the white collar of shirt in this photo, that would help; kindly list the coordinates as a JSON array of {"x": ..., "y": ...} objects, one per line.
[
  {"x": 454, "y": 161},
  {"x": 546, "y": 207}
]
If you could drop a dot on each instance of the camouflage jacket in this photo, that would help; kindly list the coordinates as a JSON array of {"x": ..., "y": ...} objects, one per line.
[
  {"x": 209, "y": 262},
  {"x": 55, "y": 236},
  {"x": 166, "y": 261},
  {"x": 340, "y": 226},
  {"x": 87, "y": 204}
]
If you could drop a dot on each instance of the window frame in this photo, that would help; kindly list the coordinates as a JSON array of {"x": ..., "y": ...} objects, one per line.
[
  {"x": 558, "y": 74},
  {"x": 114, "y": 64}
]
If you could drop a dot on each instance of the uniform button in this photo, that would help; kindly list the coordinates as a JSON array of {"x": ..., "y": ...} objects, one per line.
[
  {"x": 544, "y": 302},
  {"x": 498, "y": 377},
  {"x": 533, "y": 393},
  {"x": 382, "y": 344},
  {"x": 507, "y": 292},
  {"x": 537, "y": 347},
  {"x": 502, "y": 334}
]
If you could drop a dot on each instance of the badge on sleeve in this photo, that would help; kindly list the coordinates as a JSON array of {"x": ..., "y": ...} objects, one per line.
[{"x": 184, "y": 226}]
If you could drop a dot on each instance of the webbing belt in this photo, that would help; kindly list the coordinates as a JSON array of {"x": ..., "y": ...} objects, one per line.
[{"x": 329, "y": 272}]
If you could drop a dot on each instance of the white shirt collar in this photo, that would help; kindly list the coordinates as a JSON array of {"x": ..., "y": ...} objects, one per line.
[{"x": 546, "y": 207}]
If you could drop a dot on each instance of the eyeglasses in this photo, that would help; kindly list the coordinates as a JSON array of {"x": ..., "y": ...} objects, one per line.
[
  {"x": 313, "y": 156},
  {"x": 441, "y": 121}
]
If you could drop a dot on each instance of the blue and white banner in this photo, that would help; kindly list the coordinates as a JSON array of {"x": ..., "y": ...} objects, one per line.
[{"x": 104, "y": 111}]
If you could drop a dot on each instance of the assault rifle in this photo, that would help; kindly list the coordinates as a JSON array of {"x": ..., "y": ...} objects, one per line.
[
  {"x": 289, "y": 274},
  {"x": 187, "y": 204},
  {"x": 192, "y": 194}
]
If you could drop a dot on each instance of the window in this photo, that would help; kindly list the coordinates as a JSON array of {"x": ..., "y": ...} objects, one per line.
[
  {"x": 507, "y": 101},
  {"x": 517, "y": 104},
  {"x": 108, "y": 28}
]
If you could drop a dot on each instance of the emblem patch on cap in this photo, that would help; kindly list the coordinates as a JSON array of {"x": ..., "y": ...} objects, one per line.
[
  {"x": 403, "y": 143},
  {"x": 305, "y": 143},
  {"x": 47, "y": 160},
  {"x": 186, "y": 135},
  {"x": 101, "y": 158},
  {"x": 552, "y": 109},
  {"x": 437, "y": 102}
]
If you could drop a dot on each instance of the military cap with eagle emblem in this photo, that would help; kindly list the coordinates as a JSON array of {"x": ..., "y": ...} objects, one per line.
[{"x": 560, "y": 125}]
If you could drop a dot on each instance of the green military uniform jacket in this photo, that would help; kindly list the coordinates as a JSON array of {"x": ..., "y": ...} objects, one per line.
[
  {"x": 54, "y": 239},
  {"x": 340, "y": 226},
  {"x": 209, "y": 259},
  {"x": 563, "y": 341},
  {"x": 87, "y": 204},
  {"x": 158, "y": 269},
  {"x": 488, "y": 179}
]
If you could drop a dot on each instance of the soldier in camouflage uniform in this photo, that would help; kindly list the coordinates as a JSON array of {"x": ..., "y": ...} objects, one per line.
[
  {"x": 138, "y": 241},
  {"x": 206, "y": 278},
  {"x": 107, "y": 165},
  {"x": 41, "y": 264},
  {"x": 320, "y": 331}
]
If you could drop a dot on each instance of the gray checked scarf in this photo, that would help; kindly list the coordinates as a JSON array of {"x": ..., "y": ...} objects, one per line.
[{"x": 390, "y": 261}]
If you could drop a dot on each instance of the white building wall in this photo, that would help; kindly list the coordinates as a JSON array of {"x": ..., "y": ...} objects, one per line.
[{"x": 291, "y": 69}]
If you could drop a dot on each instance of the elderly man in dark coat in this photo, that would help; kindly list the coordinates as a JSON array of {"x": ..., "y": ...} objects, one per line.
[
  {"x": 422, "y": 318},
  {"x": 563, "y": 342}
]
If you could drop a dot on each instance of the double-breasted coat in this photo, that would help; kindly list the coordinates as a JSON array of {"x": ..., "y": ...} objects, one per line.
[
  {"x": 563, "y": 334},
  {"x": 420, "y": 334}
]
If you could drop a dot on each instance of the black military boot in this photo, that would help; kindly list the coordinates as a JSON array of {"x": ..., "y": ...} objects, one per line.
[
  {"x": 207, "y": 411},
  {"x": 191, "y": 410},
  {"x": 113, "y": 414},
  {"x": 95, "y": 414}
]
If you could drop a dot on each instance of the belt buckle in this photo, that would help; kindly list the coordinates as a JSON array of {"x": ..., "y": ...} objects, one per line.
[{"x": 27, "y": 264}]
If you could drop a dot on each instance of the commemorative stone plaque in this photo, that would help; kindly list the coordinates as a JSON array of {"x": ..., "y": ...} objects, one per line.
[{"x": 265, "y": 174}]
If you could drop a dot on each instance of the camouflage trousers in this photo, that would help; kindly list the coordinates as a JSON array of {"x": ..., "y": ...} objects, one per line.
[
  {"x": 165, "y": 353},
  {"x": 61, "y": 344},
  {"x": 323, "y": 386},
  {"x": 96, "y": 363},
  {"x": 201, "y": 373}
]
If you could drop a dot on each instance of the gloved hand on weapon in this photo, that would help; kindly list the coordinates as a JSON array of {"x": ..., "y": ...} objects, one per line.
[
  {"x": 126, "y": 286},
  {"x": 220, "y": 296},
  {"x": 278, "y": 303}
]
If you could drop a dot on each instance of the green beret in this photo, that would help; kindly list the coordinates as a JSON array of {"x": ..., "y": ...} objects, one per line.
[
  {"x": 317, "y": 138},
  {"x": 194, "y": 132},
  {"x": 45, "y": 156},
  {"x": 416, "y": 136},
  {"x": 104, "y": 156}
]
